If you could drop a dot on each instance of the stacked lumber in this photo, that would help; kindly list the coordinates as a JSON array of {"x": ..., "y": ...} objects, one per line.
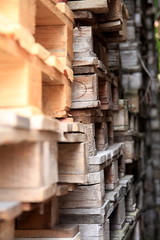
[
  {"x": 72, "y": 143},
  {"x": 36, "y": 76},
  {"x": 106, "y": 206},
  {"x": 42, "y": 62}
]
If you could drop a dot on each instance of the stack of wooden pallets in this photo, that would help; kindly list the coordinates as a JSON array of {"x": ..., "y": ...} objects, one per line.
[
  {"x": 105, "y": 207},
  {"x": 71, "y": 148}
]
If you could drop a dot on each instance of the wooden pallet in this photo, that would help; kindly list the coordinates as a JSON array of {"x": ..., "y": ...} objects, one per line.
[{"x": 35, "y": 146}]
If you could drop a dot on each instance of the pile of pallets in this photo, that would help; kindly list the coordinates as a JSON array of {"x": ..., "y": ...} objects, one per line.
[{"x": 71, "y": 147}]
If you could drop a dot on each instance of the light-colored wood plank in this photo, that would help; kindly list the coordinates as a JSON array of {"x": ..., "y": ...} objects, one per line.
[{"x": 100, "y": 6}]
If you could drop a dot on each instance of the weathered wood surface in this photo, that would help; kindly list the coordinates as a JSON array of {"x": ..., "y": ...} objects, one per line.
[
  {"x": 95, "y": 231},
  {"x": 83, "y": 47},
  {"x": 101, "y": 136},
  {"x": 85, "y": 196},
  {"x": 59, "y": 231},
  {"x": 90, "y": 132},
  {"x": 85, "y": 88},
  {"x": 85, "y": 215},
  {"x": 111, "y": 176},
  {"x": 100, "y": 6},
  {"x": 76, "y": 237},
  {"x": 76, "y": 160},
  {"x": 121, "y": 117}
]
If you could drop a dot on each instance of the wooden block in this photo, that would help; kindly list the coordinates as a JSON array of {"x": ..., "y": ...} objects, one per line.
[
  {"x": 111, "y": 176},
  {"x": 90, "y": 132},
  {"x": 50, "y": 14},
  {"x": 59, "y": 231},
  {"x": 95, "y": 231},
  {"x": 20, "y": 91},
  {"x": 128, "y": 151},
  {"x": 57, "y": 40},
  {"x": 84, "y": 197},
  {"x": 83, "y": 47},
  {"x": 121, "y": 119},
  {"x": 85, "y": 215},
  {"x": 85, "y": 88},
  {"x": 20, "y": 12},
  {"x": 75, "y": 166},
  {"x": 31, "y": 175},
  {"x": 115, "y": 10},
  {"x": 57, "y": 104},
  {"x": 117, "y": 218},
  {"x": 101, "y": 136},
  {"x": 99, "y": 7},
  {"x": 105, "y": 95},
  {"x": 44, "y": 216}
]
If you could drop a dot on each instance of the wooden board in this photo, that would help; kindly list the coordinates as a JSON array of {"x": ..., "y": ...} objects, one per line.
[
  {"x": 85, "y": 215},
  {"x": 75, "y": 166},
  {"x": 111, "y": 176},
  {"x": 85, "y": 88},
  {"x": 59, "y": 103},
  {"x": 9, "y": 210},
  {"x": 76, "y": 237},
  {"x": 96, "y": 7},
  {"x": 59, "y": 231},
  {"x": 85, "y": 196}
]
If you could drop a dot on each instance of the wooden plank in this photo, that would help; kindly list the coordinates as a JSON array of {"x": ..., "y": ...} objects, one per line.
[
  {"x": 90, "y": 132},
  {"x": 76, "y": 237},
  {"x": 96, "y": 7},
  {"x": 32, "y": 157},
  {"x": 56, "y": 39},
  {"x": 85, "y": 215},
  {"x": 75, "y": 166},
  {"x": 83, "y": 47},
  {"x": 105, "y": 95},
  {"x": 95, "y": 231},
  {"x": 9, "y": 210},
  {"x": 49, "y": 14},
  {"x": 85, "y": 196},
  {"x": 111, "y": 176},
  {"x": 57, "y": 104},
  {"x": 28, "y": 194},
  {"x": 121, "y": 117},
  {"x": 85, "y": 88},
  {"x": 101, "y": 136},
  {"x": 59, "y": 231}
]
